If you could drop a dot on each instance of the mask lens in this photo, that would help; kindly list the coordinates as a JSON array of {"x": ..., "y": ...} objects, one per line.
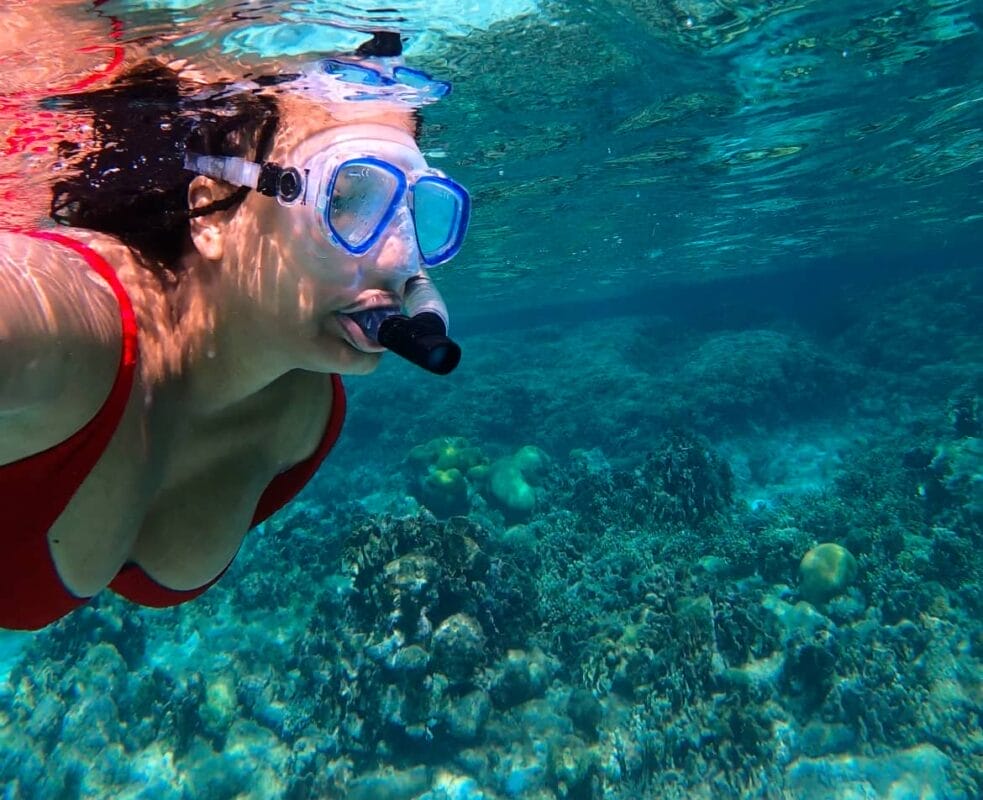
[
  {"x": 440, "y": 210},
  {"x": 421, "y": 82},
  {"x": 352, "y": 73},
  {"x": 362, "y": 200}
]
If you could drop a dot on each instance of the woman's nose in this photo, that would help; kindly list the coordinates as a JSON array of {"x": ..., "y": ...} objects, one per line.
[{"x": 398, "y": 254}]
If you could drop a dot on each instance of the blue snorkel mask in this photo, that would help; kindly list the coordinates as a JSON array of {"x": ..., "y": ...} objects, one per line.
[{"x": 368, "y": 179}]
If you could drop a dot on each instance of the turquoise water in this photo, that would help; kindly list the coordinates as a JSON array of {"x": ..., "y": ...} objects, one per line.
[{"x": 719, "y": 306}]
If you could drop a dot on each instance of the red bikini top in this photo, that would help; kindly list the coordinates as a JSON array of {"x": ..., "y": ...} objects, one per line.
[{"x": 34, "y": 491}]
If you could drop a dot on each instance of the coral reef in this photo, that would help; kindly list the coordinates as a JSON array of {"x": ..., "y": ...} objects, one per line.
[
  {"x": 587, "y": 653},
  {"x": 652, "y": 625}
]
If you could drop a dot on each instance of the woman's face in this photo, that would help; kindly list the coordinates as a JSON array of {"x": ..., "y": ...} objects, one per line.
[{"x": 287, "y": 264}]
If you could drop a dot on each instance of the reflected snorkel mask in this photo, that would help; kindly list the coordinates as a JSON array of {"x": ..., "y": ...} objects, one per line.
[
  {"x": 367, "y": 179},
  {"x": 385, "y": 79}
]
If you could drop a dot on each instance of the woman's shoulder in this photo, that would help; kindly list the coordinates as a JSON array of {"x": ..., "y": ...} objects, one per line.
[
  {"x": 74, "y": 253},
  {"x": 60, "y": 339},
  {"x": 55, "y": 244}
]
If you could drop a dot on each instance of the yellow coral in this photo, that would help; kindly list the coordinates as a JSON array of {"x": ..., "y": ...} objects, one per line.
[
  {"x": 443, "y": 463},
  {"x": 826, "y": 571}
]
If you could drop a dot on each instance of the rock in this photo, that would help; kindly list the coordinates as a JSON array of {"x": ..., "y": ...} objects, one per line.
[
  {"x": 458, "y": 647},
  {"x": 585, "y": 711},
  {"x": 571, "y": 764},
  {"x": 412, "y": 660},
  {"x": 447, "y": 786},
  {"x": 466, "y": 717},
  {"x": 519, "y": 677},
  {"x": 902, "y": 775},
  {"x": 220, "y": 708},
  {"x": 44, "y": 724},
  {"x": 823, "y": 739},
  {"x": 389, "y": 785}
]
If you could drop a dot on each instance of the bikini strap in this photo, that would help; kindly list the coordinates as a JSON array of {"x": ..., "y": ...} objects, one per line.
[{"x": 35, "y": 490}]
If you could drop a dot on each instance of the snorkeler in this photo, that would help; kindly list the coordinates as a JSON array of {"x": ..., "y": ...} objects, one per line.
[{"x": 170, "y": 357}]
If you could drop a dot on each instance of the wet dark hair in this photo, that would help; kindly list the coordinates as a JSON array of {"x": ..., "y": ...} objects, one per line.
[{"x": 129, "y": 179}]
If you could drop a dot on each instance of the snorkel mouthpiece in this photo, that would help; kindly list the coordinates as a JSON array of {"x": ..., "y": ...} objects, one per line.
[
  {"x": 419, "y": 335},
  {"x": 422, "y": 340}
]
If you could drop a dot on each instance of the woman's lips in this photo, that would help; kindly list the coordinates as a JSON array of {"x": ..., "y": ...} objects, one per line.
[
  {"x": 356, "y": 337},
  {"x": 360, "y": 321}
]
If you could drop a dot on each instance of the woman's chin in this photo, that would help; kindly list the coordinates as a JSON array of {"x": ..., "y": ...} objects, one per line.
[
  {"x": 361, "y": 363},
  {"x": 345, "y": 350},
  {"x": 341, "y": 357}
]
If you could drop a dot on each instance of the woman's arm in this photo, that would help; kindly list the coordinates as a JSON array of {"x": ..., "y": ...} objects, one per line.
[{"x": 59, "y": 344}]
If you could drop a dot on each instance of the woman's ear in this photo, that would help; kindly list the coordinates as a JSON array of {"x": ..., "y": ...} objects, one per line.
[{"x": 207, "y": 231}]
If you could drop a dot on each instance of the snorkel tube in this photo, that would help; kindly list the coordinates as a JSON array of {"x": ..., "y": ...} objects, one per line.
[{"x": 420, "y": 335}]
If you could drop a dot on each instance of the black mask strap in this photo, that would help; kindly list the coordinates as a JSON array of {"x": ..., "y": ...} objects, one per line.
[{"x": 383, "y": 44}]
